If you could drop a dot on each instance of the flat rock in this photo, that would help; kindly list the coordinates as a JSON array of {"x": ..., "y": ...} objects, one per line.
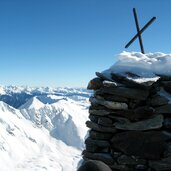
[
  {"x": 167, "y": 153},
  {"x": 99, "y": 143},
  {"x": 93, "y": 118},
  {"x": 119, "y": 167},
  {"x": 158, "y": 100},
  {"x": 103, "y": 77},
  {"x": 147, "y": 145},
  {"x": 104, "y": 157},
  {"x": 167, "y": 123},
  {"x": 164, "y": 77},
  {"x": 130, "y": 80},
  {"x": 94, "y": 165},
  {"x": 111, "y": 84},
  {"x": 152, "y": 123},
  {"x": 109, "y": 104},
  {"x": 143, "y": 112},
  {"x": 130, "y": 160},
  {"x": 166, "y": 109},
  {"x": 167, "y": 86},
  {"x": 95, "y": 84},
  {"x": 104, "y": 121},
  {"x": 109, "y": 97},
  {"x": 96, "y": 149},
  {"x": 166, "y": 133},
  {"x": 100, "y": 128},
  {"x": 161, "y": 165},
  {"x": 100, "y": 135},
  {"x": 122, "y": 113},
  {"x": 99, "y": 112},
  {"x": 132, "y": 93},
  {"x": 97, "y": 107}
]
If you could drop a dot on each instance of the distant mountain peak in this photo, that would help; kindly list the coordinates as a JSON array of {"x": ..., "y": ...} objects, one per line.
[{"x": 33, "y": 103}]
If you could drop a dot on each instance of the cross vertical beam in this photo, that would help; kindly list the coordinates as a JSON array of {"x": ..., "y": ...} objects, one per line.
[{"x": 138, "y": 30}]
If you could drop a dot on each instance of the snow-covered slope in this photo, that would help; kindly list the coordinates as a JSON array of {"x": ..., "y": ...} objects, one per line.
[
  {"x": 45, "y": 133},
  {"x": 23, "y": 146},
  {"x": 64, "y": 118}
]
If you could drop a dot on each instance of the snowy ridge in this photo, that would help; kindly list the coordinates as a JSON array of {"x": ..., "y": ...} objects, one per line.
[
  {"x": 42, "y": 90},
  {"x": 46, "y": 127},
  {"x": 25, "y": 147}
]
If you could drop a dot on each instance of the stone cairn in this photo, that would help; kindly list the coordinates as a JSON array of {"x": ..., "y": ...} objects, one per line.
[{"x": 130, "y": 123}]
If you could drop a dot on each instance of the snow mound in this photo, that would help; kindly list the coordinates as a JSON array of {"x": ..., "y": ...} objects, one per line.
[{"x": 145, "y": 66}]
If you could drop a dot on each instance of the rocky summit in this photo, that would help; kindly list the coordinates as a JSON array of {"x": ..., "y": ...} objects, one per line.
[{"x": 130, "y": 122}]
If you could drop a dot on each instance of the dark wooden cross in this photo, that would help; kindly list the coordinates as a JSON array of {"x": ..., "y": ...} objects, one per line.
[{"x": 139, "y": 32}]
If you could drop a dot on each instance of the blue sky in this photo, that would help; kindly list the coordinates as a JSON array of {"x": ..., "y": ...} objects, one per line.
[{"x": 64, "y": 42}]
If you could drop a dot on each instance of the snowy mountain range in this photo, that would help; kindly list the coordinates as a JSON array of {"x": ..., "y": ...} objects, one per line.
[{"x": 42, "y": 128}]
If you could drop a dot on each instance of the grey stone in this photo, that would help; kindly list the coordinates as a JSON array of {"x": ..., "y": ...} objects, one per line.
[
  {"x": 147, "y": 145},
  {"x": 143, "y": 112},
  {"x": 167, "y": 86},
  {"x": 108, "y": 97},
  {"x": 109, "y": 104},
  {"x": 141, "y": 167},
  {"x": 138, "y": 94},
  {"x": 99, "y": 143},
  {"x": 97, "y": 107},
  {"x": 164, "y": 77},
  {"x": 116, "y": 154},
  {"x": 94, "y": 165},
  {"x": 161, "y": 165},
  {"x": 111, "y": 84},
  {"x": 130, "y": 80},
  {"x": 103, "y": 77},
  {"x": 166, "y": 133},
  {"x": 93, "y": 118},
  {"x": 130, "y": 160},
  {"x": 99, "y": 112},
  {"x": 166, "y": 109},
  {"x": 100, "y": 128},
  {"x": 104, "y": 121},
  {"x": 167, "y": 152},
  {"x": 167, "y": 123},
  {"x": 100, "y": 135},
  {"x": 104, "y": 157},
  {"x": 119, "y": 167},
  {"x": 158, "y": 100},
  {"x": 95, "y": 84},
  {"x": 120, "y": 120},
  {"x": 129, "y": 114},
  {"x": 91, "y": 148},
  {"x": 96, "y": 149},
  {"x": 152, "y": 123}
]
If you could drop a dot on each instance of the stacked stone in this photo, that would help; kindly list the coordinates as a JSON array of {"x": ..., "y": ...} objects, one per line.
[{"x": 130, "y": 123}]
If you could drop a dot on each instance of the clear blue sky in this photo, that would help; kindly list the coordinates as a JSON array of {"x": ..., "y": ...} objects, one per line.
[{"x": 64, "y": 42}]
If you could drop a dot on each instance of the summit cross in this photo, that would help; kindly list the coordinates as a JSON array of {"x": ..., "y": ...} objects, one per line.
[{"x": 139, "y": 32}]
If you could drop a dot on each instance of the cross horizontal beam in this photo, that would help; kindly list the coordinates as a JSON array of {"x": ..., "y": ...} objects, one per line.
[{"x": 140, "y": 32}]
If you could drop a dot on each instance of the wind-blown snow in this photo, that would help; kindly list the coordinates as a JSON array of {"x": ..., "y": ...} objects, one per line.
[
  {"x": 146, "y": 66},
  {"x": 46, "y": 132}
]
